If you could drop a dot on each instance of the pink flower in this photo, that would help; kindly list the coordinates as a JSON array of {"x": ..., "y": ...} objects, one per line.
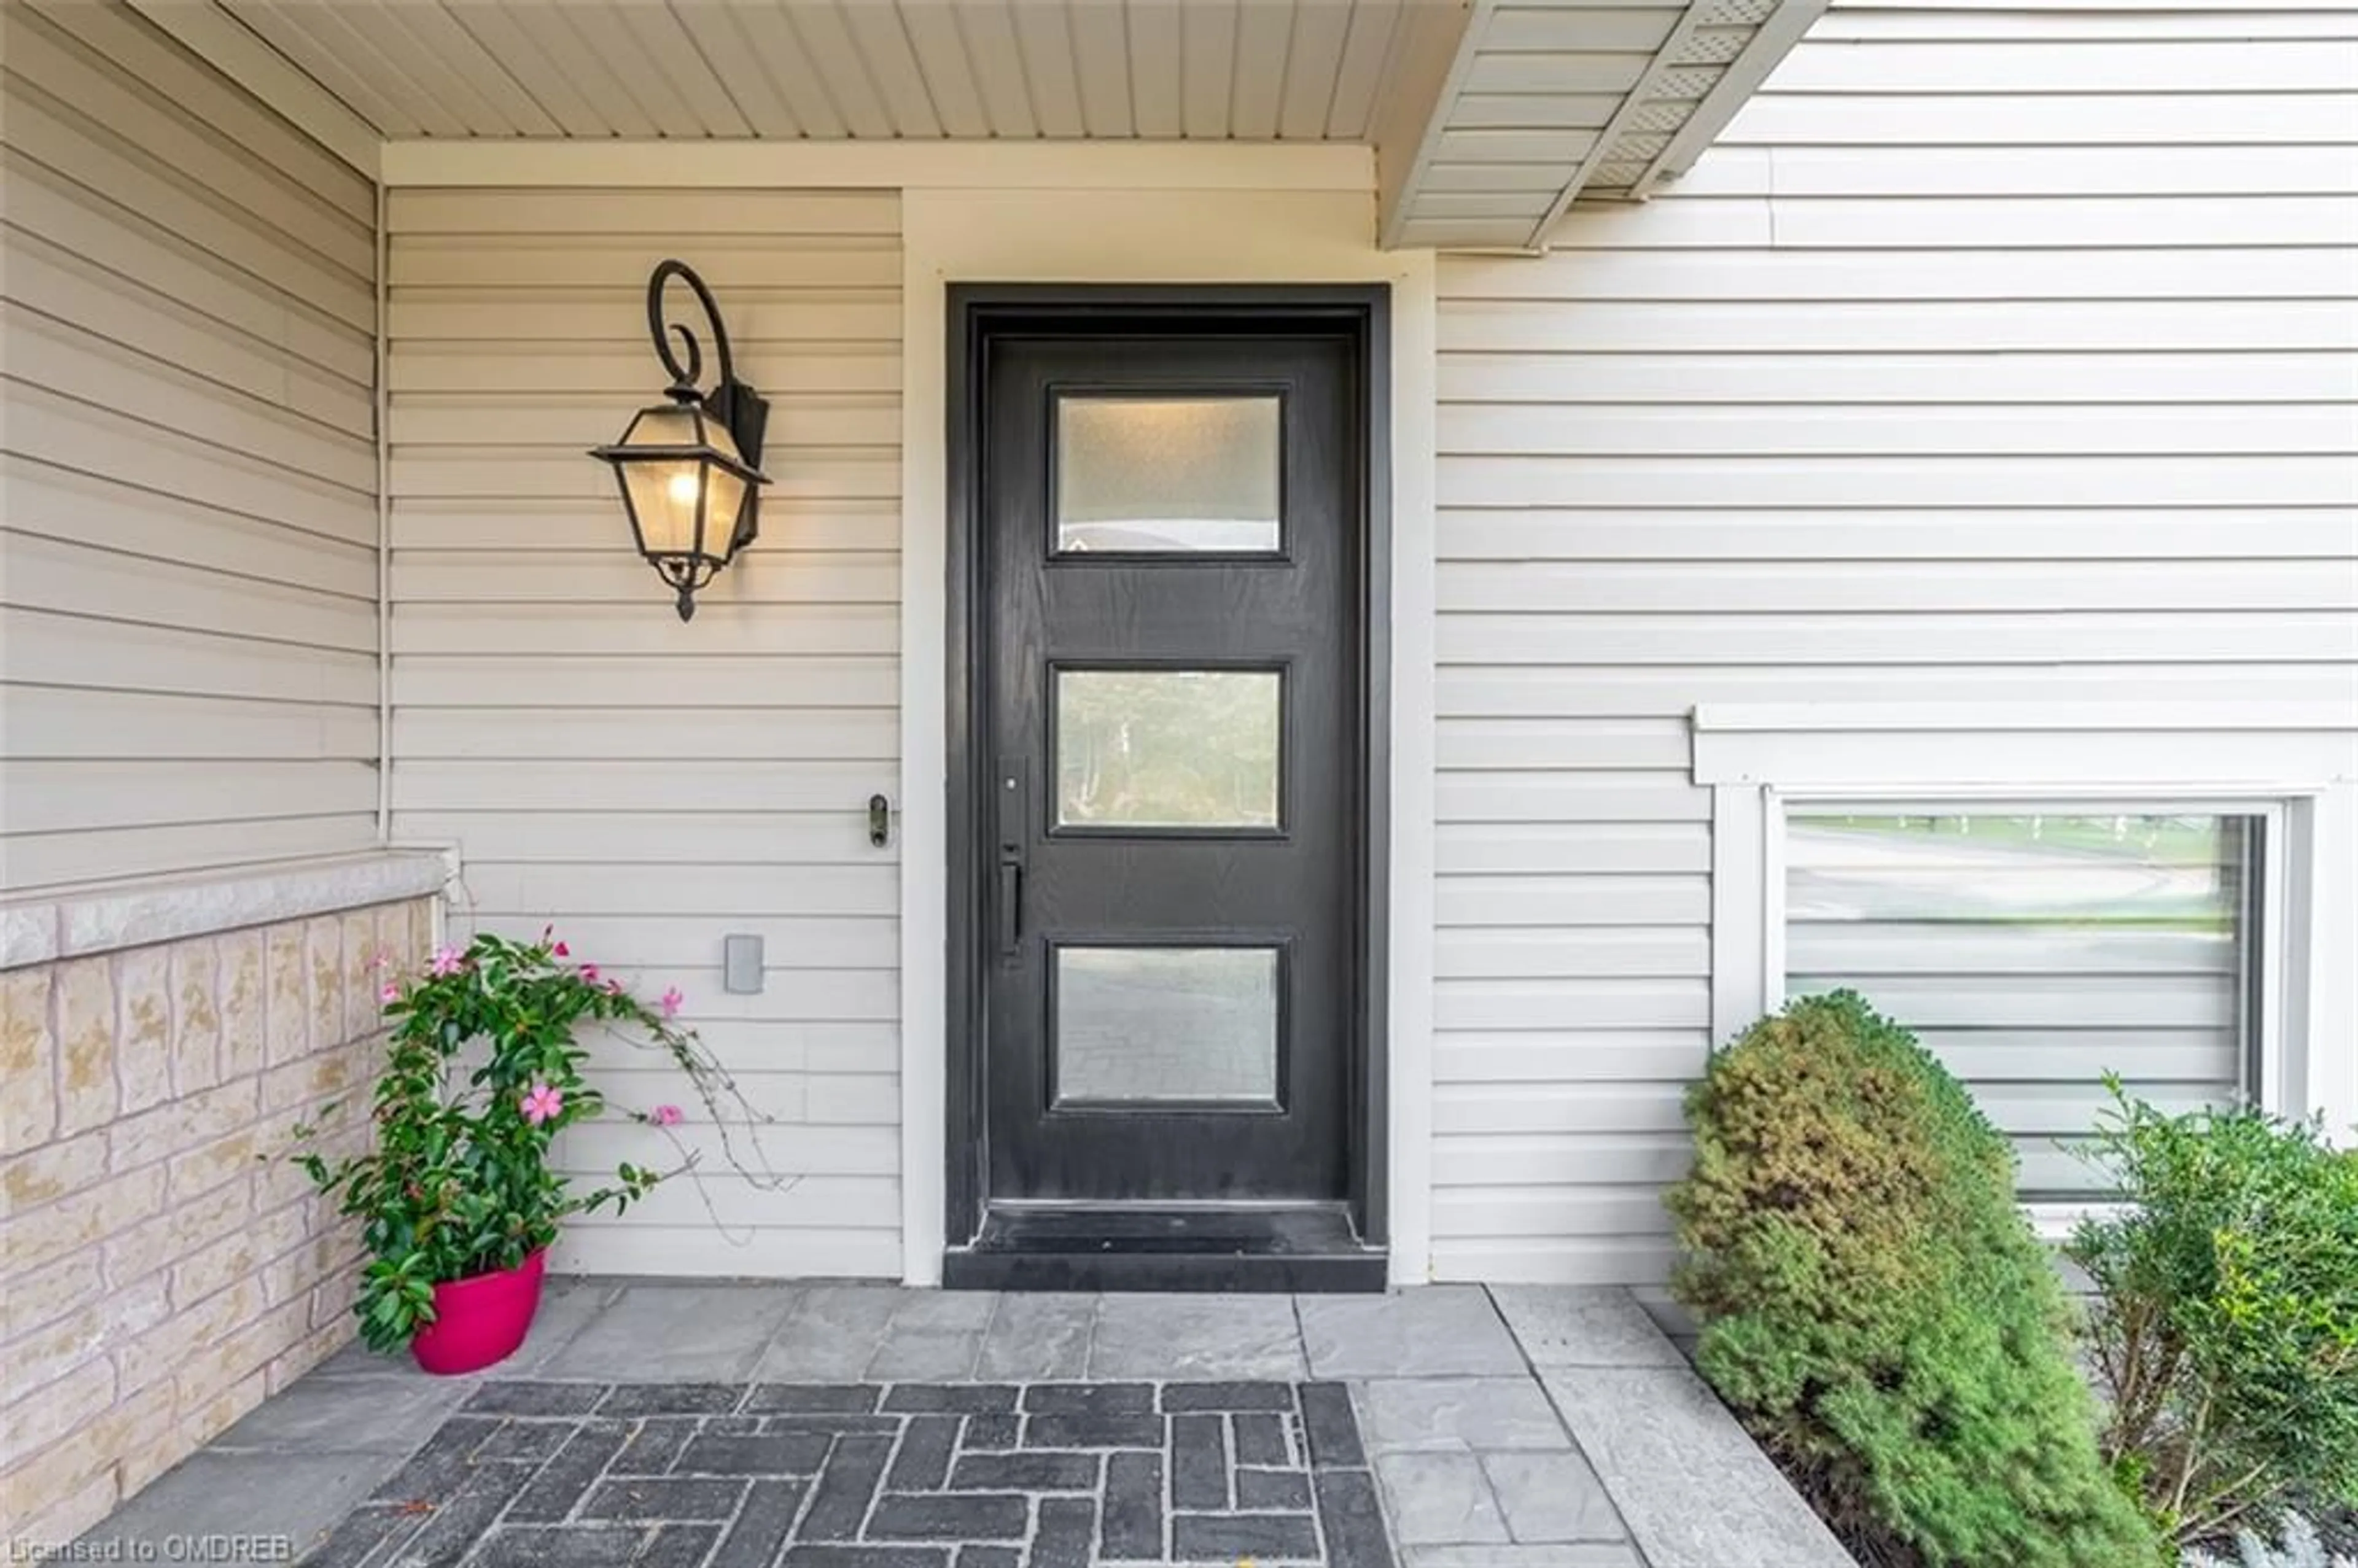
[
  {"x": 446, "y": 961},
  {"x": 614, "y": 988},
  {"x": 383, "y": 961},
  {"x": 389, "y": 992},
  {"x": 562, "y": 951},
  {"x": 590, "y": 973},
  {"x": 672, "y": 1000},
  {"x": 664, "y": 1116},
  {"x": 542, "y": 1103}
]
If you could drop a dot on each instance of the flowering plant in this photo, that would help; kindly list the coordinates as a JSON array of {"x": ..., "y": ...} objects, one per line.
[{"x": 460, "y": 1181}]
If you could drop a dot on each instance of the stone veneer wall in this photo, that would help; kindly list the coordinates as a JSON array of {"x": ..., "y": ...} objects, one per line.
[{"x": 160, "y": 1276}]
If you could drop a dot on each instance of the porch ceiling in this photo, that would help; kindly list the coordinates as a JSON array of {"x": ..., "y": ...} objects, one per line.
[{"x": 1489, "y": 117}]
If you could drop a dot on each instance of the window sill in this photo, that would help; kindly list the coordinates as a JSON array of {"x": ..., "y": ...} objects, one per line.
[{"x": 72, "y": 923}]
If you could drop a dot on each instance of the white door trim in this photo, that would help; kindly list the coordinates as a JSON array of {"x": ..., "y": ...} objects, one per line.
[{"x": 1034, "y": 235}]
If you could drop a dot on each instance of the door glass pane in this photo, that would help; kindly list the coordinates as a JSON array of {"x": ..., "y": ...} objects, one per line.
[
  {"x": 1166, "y": 1023},
  {"x": 1167, "y": 747},
  {"x": 1167, "y": 474}
]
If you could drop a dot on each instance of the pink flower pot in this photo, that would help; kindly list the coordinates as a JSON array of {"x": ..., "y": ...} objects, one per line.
[{"x": 479, "y": 1321}]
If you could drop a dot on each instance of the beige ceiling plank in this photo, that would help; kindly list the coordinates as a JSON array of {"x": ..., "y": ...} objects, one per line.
[
  {"x": 367, "y": 33},
  {"x": 1634, "y": 104},
  {"x": 278, "y": 34},
  {"x": 1155, "y": 34},
  {"x": 671, "y": 50},
  {"x": 1101, "y": 64},
  {"x": 506, "y": 104},
  {"x": 711, "y": 27},
  {"x": 1264, "y": 43},
  {"x": 564, "y": 97},
  {"x": 883, "y": 45},
  {"x": 989, "y": 34},
  {"x": 622, "y": 58},
  {"x": 779, "y": 51},
  {"x": 572, "y": 53},
  {"x": 1359, "y": 74},
  {"x": 1047, "y": 46},
  {"x": 938, "y": 42},
  {"x": 1321, "y": 28},
  {"x": 820, "y": 27},
  {"x": 1208, "y": 63}
]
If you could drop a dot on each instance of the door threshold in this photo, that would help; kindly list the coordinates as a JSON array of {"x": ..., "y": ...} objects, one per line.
[{"x": 1306, "y": 1248}]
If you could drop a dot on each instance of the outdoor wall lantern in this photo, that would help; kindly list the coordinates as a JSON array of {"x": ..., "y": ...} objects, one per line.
[{"x": 690, "y": 468}]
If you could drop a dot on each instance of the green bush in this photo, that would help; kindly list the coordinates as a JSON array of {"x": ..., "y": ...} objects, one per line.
[
  {"x": 2225, "y": 1326},
  {"x": 1876, "y": 1309}
]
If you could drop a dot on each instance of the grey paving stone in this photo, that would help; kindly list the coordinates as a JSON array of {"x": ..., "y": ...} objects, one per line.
[
  {"x": 985, "y": 1431},
  {"x": 911, "y": 1353},
  {"x": 1328, "y": 1428},
  {"x": 1259, "y": 1491},
  {"x": 761, "y": 1526},
  {"x": 1230, "y": 1538},
  {"x": 558, "y": 1546},
  {"x": 1260, "y": 1438},
  {"x": 564, "y": 1480},
  {"x": 832, "y": 1335},
  {"x": 952, "y": 1398},
  {"x": 866, "y": 1557},
  {"x": 1068, "y": 1528},
  {"x": 922, "y": 1463},
  {"x": 675, "y": 1333},
  {"x": 655, "y": 1444},
  {"x": 1574, "y": 1325},
  {"x": 990, "y": 1557},
  {"x": 965, "y": 1516},
  {"x": 765, "y": 1454},
  {"x": 1438, "y": 1498},
  {"x": 663, "y": 1497},
  {"x": 1093, "y": 1431},
  {"x": 1199, "y": 1462},
  {"x": 364, "y": 1531},
  {"x": 1038, "y": 1336},
  {"x": 524, "y": 1439},
  {"x": 1033, "y": 1470},
  {"x": 508, "y": 1396},
  {"x": 246, "y": 1493},
  {"x": 671, "y": 1399},
  {"x": 1586, "y": 1554},
  {"x": 814, "y": 1399},
  {"x": 1132, "y": 1520},
  {"x": 1089, "y": 1398},
  {"x": 1432, "y": 1331},
  {"x": 678, "y": 1546},
  {"x": 436, "y": 1470},
  {"x": 1353, "y": 1520},
  {"x": 1228, "y": 1397},
  {"x": 1196, "y": 1338},
  {"x": 461, "y": 1520},
  {"x": 1693, "y": 1489},
  {"x": 944, "y": 1312},
  {"x": 1456, "y": 1413},
  {"x": 1551, "y": 1497},
  {"x": 845, "y": 1488},
  {"x": 346, "y": 1415}
]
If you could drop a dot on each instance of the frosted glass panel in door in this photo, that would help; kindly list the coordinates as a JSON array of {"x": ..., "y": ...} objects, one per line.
[
  {"x": 1167, "y": 747},
  {"x": 1166, "y": 1023},
  {"x": 1164, "y": 475}
]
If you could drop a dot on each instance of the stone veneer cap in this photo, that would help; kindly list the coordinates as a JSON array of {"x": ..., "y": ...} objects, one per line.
[{"x": 42, "y": 927}]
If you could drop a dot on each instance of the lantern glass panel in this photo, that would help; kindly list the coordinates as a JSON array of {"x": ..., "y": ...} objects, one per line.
[{"x": 684, "y": 505}]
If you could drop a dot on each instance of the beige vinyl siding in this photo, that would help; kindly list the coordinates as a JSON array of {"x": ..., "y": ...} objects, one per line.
[
  {"x": 1998, "y": 355},
  {"x": 646, "y": 785},
  {"x": 188, "y": 468}
]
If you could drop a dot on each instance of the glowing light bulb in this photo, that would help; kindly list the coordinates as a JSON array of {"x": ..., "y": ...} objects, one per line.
[{"x": 682, "y": 489}]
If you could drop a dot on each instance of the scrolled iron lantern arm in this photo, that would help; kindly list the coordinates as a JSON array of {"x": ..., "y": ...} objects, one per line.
[{"x": 689, "y": 470}]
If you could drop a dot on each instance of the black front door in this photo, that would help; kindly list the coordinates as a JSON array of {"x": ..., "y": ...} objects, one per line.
[{"x": 1167, "y": 725}]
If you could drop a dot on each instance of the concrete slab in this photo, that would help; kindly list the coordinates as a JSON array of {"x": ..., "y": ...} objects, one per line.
[
  {"x": 1434, "y": 1331},
  {"x": 1038, "y": 1338},
  {"x": 834, "y": 1333},
  {"x": 348, "y": 1415},
  {"x": 1551, "y": 1497},
  {"x": 1571, "y": 1325},
  {"x": 674, "y": 1333},
  {"x": 565, "y": 1308},
  {"x": 1690, "y": 1485},
  {"x": 1485, "y": 1414},
  {"x": 1585, "y": 1555},
  {"x": 1196, "y": 1338},
  {"x": 256, "y": 1495},
  {"x": 1438, "y": 1499}
]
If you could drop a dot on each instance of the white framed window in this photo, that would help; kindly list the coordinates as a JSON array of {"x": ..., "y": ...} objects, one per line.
[{"x": 2042, "y": 895}]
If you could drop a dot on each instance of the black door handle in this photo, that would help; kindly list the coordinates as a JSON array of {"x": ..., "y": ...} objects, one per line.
[
  {"x": 1014, "y": 834},
  {"x": 1010, "y": 908}
]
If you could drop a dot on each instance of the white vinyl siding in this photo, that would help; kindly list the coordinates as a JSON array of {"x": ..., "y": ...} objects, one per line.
[
  {"x": 1997, "y": 355},
  {"x": 647, "y": 785},
  {"x": 188, "y": 470}
]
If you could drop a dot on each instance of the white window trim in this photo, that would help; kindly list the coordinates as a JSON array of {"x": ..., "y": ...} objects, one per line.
[{"x": 2295, "y": 764}]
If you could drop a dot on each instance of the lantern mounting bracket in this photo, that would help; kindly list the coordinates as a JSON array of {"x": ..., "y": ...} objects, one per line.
[{"x": 741, "y": 410}]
